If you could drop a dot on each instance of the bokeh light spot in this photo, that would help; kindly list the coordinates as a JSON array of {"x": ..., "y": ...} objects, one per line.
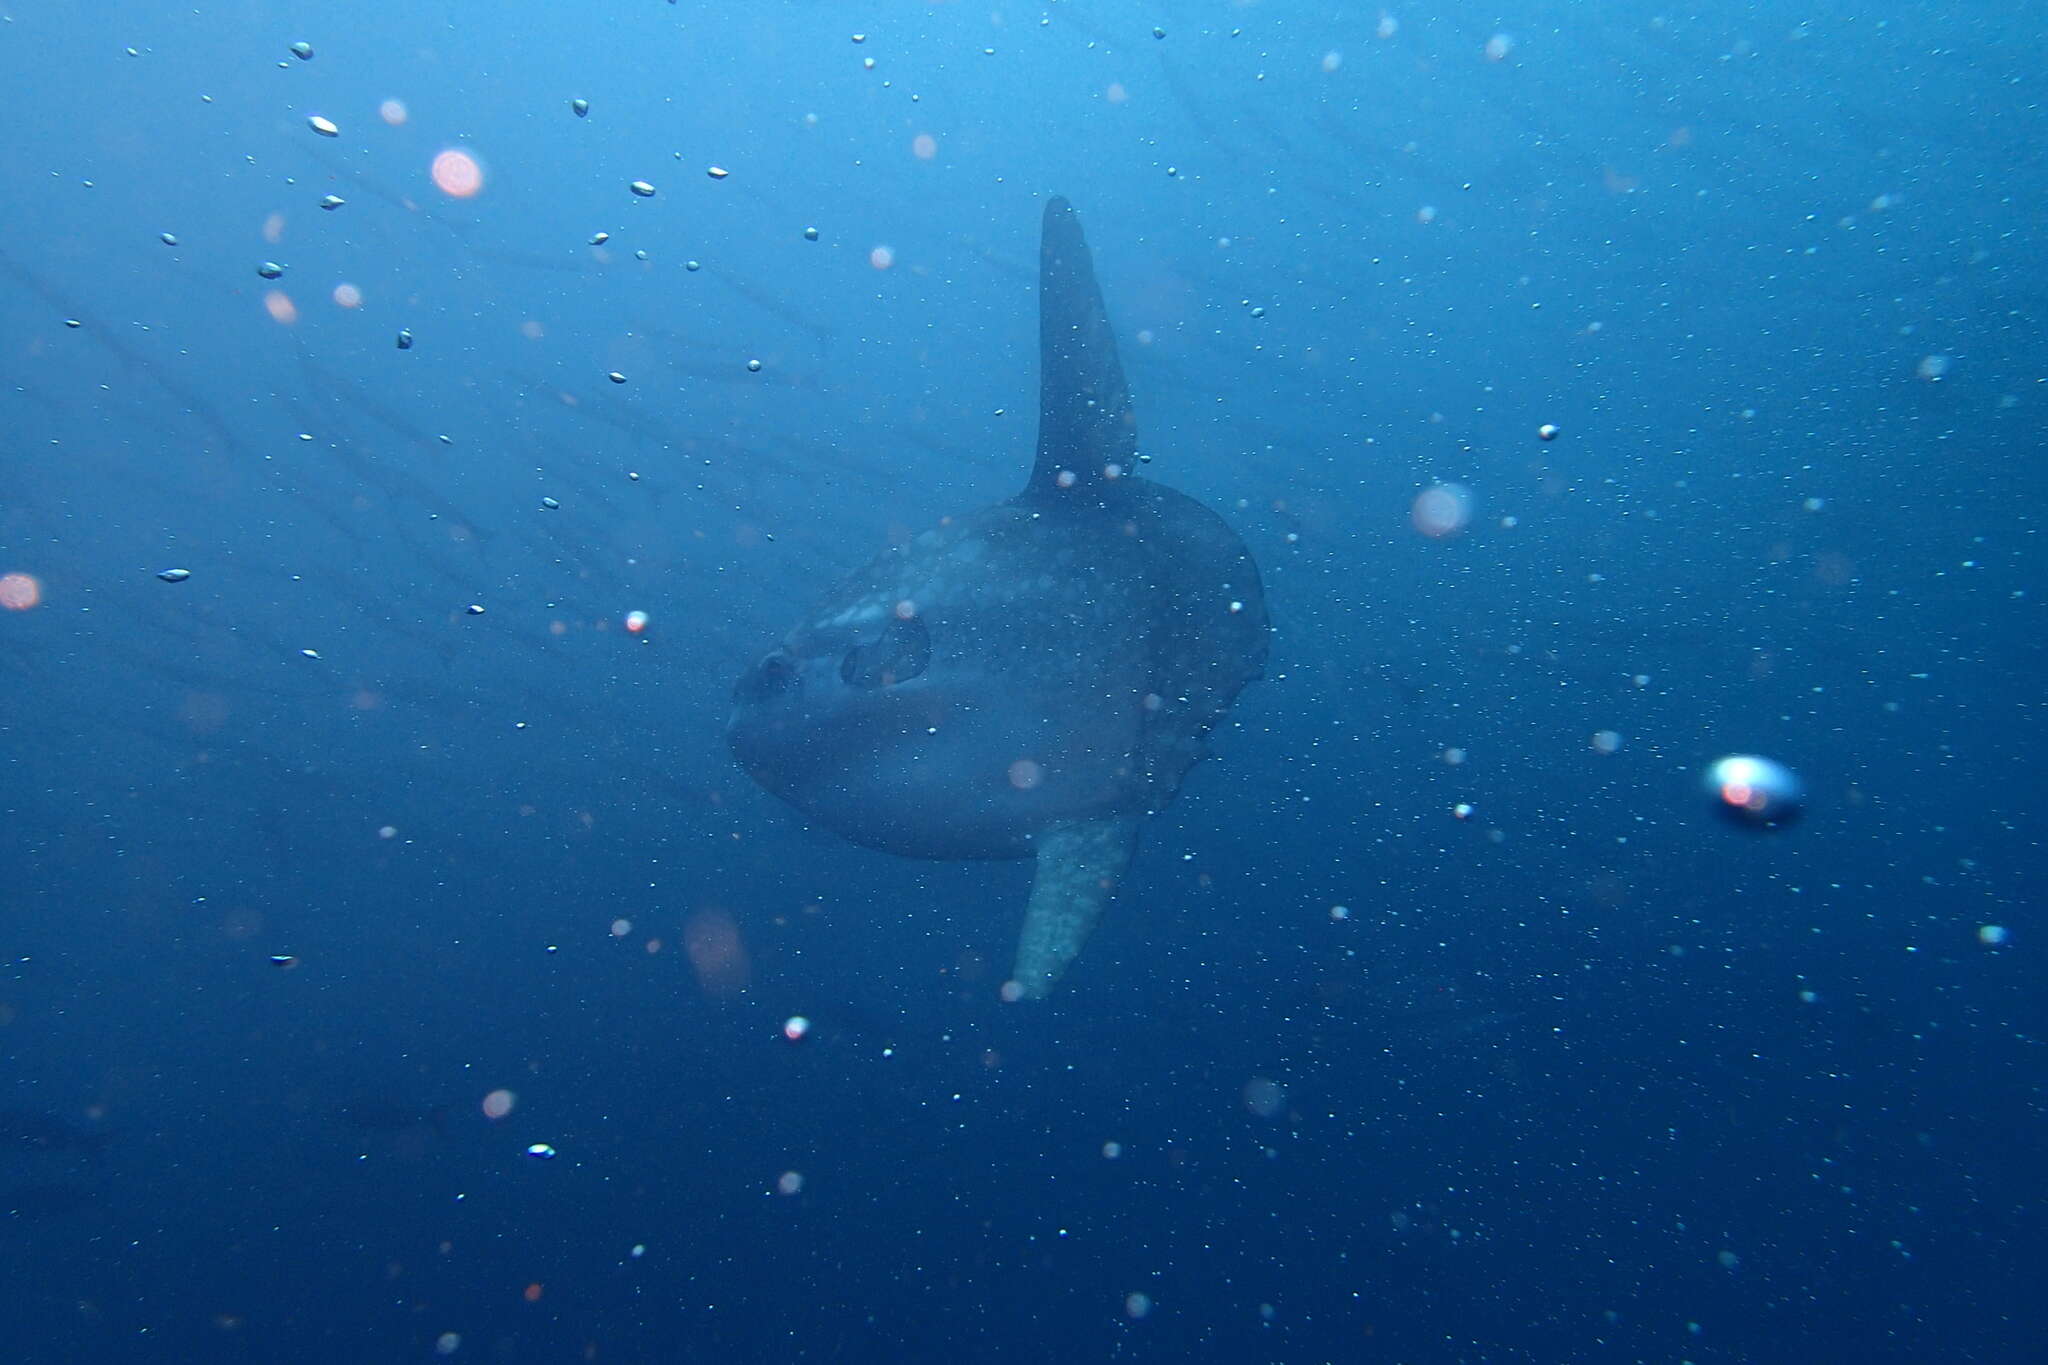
[
  {"x": 1264, "y": 1097},
  {"x": 711, "y": 938},
  {"x": 458, "y": 174},
  {"x": 20, "y": 592},
  {"x": 1443, "y": 510}
]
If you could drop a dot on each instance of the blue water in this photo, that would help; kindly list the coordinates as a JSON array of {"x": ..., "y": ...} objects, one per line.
[{"x": 1589, "y": 1074}]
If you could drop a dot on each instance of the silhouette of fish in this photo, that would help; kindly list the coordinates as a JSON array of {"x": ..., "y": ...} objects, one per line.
[{"x": 1034, "y": 678}]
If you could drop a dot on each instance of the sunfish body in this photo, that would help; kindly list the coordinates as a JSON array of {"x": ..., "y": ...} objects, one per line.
[{"x": 1032, "y": 679}]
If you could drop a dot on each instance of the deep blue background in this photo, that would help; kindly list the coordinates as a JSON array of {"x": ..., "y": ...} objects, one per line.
[{"x": 1590, "y": 1076}]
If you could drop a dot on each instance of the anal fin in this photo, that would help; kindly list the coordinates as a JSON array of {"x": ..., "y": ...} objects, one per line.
[{"x": 1079, "y": 865}]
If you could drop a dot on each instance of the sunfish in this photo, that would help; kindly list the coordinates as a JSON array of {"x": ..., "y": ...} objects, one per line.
[{"x": 1030, "y": 680}]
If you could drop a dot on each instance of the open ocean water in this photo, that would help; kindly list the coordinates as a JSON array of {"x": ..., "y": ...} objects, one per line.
[{"x": 1443, "y": 1017}]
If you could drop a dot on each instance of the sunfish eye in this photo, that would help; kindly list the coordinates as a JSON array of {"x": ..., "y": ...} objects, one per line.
[{"x": 903, "y": 652}]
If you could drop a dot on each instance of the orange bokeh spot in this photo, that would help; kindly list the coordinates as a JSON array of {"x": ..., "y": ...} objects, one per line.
[
  {"x": 20, "y": 591},
  {"x": 280, "y": 307},
  {"x": 1741, "y": 794},
  {"x": 457, "y": 174},
  {"x": 532, "y": 1293}
]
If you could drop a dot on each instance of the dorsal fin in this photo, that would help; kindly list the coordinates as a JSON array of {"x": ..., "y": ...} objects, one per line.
[{"x": 1085, "y": 423}]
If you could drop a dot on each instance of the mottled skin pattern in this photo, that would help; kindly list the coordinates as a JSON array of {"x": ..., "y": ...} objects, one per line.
[{"x": 1058, "y": 641}]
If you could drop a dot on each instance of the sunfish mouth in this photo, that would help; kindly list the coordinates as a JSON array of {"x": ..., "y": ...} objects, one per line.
[{"x": 768, "y": 681}]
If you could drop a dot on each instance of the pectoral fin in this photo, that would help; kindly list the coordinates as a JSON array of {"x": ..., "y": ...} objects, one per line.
[{"x": 1080, "y": 863}]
